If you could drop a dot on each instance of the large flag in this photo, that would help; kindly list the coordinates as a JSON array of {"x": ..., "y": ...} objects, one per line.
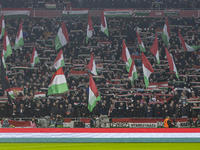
[
  {"x": 92, "y": 66},
  {"x": 89, "y": 29},
  {"x": 94, "y": 95},
  {"x": 166, "y": 33},
  {"x": 19, "y": 41},
  {"x": 7, "y": 50},
  {"x": 171, "y": 63},
  {"x": 59, "y": 62},
  {"x": 2, "y": 26},
  {"x": 34, "y": 58},
  {"x": 154, "y": 49},
  {"x": 147, "y": 69},
  {"x": 62, "y": 37},
  {"x": 141, "y": 44},
  {"x": 187, "y": 47},
  {"x": 58, "y": 83},
  {"x": 132, "y": 73},
  {"x": 5, "y": 83},
  {"x": 104, "y": 27},
  {"x": 126, "y": 56}
]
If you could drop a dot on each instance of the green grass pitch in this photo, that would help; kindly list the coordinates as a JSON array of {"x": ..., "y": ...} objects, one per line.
[{"x": 99, "y": 146}]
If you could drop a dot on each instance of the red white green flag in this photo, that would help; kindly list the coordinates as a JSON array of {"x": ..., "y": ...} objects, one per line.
[
  {"x": 59, "y": 62},
  {"x": 141, "y": 44},
  {"x": 7, "y": 50},
  {"x": 58, "y": 83},
  {"x": 2, "y": 26},
  {"x": 62, "y": 37},
  {"x": 19, "y": 41},
  {"x": 132, "y": 73},
  {"x": 185, "y": 46},
  {"x": 92, "y": 66},
  {"x": 104, "y": 27},
  {"x": 166, "y": 33},
  {"x": 126, "y": 56},
  {"x": 34, "y": 58},
  {"x": 171, "y": 63},
  {"x": 89, "y": 29},
  {"x": 94, "y": 95},
  {"x": 154, "y": 49},
  {"x": 147, "y": 69}
]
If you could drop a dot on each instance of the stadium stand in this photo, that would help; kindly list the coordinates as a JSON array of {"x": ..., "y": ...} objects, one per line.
[{"x": 166, "y": 95}]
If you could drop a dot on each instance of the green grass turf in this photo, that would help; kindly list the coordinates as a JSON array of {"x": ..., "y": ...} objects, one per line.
[{"x": 99, "y": 146}]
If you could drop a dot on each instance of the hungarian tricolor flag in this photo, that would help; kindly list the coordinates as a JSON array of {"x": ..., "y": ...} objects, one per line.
[
  {"x": 132, "y": 73},
  {"x": 126, "y": 56},
  {"x": 147, "y": 69},
  {"x": 19, "y": 41},
  {"x": 89, "y": 29},
  {"x": 171, "y": 63},
  {"x": 94, "y": 95},
  {"x": 34, "y": 58},
  {"x": 166, "y": 33},
  {"x": 2, "y": 26},
  {"x": 7, "y": 50},
  {"x": 154, "y": 49},
  {"x": 92, "y": 66},
  {"x": 5, "y": 83},
  {"x": 58, "y": 83},
  {"x": 187, "y": 47},
  {"x": 62, "y": 37},
  {"x": 141, "y": 44},
  {"x": 104, "y": 27},
  {"x": 59, "y": 62}
]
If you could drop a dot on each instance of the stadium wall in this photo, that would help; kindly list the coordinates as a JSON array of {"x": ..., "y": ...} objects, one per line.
[
  {"x": 99, "y": 135},
  {"x": 16, "y": 12}
]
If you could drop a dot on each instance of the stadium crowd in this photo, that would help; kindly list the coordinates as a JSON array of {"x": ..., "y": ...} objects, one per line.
[
  {"x": 142, "y": 4},
  {"x": 118, "y": 97}
]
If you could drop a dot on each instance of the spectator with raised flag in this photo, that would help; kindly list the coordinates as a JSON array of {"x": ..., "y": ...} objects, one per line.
[
  {"x": 93, "y": 94},
  {"x": 62, "y": 37},
  {"x": 34, "y": 58},
  {"x": 89, "y": 29}
]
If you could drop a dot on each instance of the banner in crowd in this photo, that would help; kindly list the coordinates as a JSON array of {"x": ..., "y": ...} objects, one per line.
[
  {"x": 100, "y": 135},
  {"x": 16, "y": 13},
  {"x": 75, "y": 12},
  {"x": 158, "y": 84},
  {"x": 118, "y": 12},
  {"x": 171, "y": 12},
  {"x": 104, "y": 43},
  {"x": 141, "y": 13},
  {"x": 17, "y": 90}
]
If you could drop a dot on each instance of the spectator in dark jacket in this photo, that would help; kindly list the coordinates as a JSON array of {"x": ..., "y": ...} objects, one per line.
[
  {"x": 141, "y": 111},
  {"x": 184, "y": 111},
  {"x": 61, "y": 111},
  {"x": 38, "y": 111},
  {"x": 54, "y": 110},
  {"x": 103, "y": 110},
  {"x": 21, "y": 111},
  {"x": 131, "y": 111},
  {"x": 84, "y": 111},
  {"x": 112, "y": 111},
  {"x": 158, "y": 111},
  {"x": 121, "y": 110},
  {"x": 69, "y": 111},
  {"x": 171, "y": 110},
  {"x": 165, "y": 111},
  {"x": 149, "y": 111}
]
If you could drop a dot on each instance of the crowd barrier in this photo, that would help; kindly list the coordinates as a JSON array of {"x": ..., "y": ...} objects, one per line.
[{"x": 114, "y": 123}]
